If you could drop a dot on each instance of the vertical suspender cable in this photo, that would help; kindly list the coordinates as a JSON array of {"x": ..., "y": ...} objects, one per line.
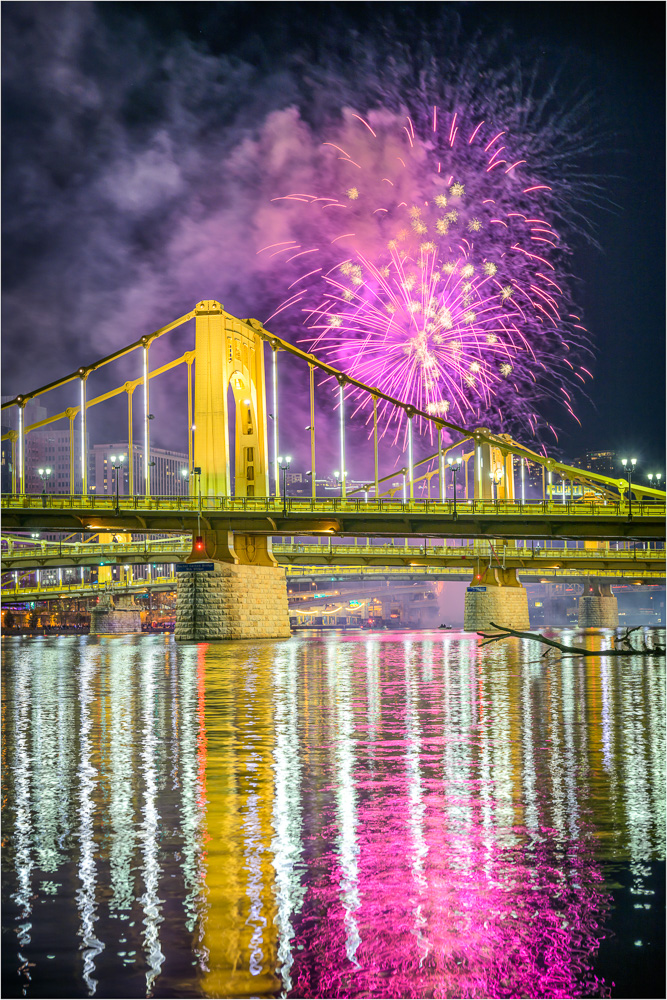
[
  {"x": 21, "y": 449},
  {"x": 441, "y": 465},
  {"x": 130, "y": 443},
  {"x": 343, "y": 470},
  {"x": 147, "y": 439},
  {"x": 410, "y": 462},
  {"x": 275, "y": 421},
  {"x": 312, "y": 432},
  {"x": 375, "y": 445},
  {"x": 523, "y": 482},
  {"x": 72, "y": 463},
  {"x": 190, "y": 459},
  {"x": 84, "y": 456},
  {"x": 13, "y": 464},
  {"x": 509, "y": 480}
]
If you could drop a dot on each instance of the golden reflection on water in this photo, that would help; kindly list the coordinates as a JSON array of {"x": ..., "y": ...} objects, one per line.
[{"x": 351, "y": 815}]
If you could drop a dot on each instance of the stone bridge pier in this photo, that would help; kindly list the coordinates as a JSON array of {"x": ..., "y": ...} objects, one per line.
[
  {"x": 233, "y": 589},
  {"x": 598, "y": 608},
  {"x": 115, "y": 616},
  {"x": 495, "y": 596}
]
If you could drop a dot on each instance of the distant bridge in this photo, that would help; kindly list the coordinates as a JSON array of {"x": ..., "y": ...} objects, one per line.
[
  {"x": 27, "y": 563},
  {"x": 28, "y": 555}
]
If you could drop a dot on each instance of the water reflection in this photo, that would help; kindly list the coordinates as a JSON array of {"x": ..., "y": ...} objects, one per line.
[
  {"x": 87, "y": 786},
  {"x": 376, "y": 816}
]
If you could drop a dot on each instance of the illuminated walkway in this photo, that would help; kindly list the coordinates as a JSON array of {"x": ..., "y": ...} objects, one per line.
[
  {"x": 352, "y": 517},
  {"x": 27, "y": 554}
]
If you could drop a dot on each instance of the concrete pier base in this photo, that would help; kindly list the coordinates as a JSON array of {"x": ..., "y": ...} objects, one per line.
[
  {"x": 232, "y": 601},
  {"x": 115, "y": 618},
  {"x": 598, "y": 608},
  {"x": 503, "y": 601}
]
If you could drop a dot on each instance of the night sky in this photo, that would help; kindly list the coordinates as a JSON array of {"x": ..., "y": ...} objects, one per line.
[{"x": 125, "y": 199}]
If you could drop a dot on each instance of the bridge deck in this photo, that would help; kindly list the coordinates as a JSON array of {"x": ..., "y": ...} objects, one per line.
[{"x": 351, "y": 517}]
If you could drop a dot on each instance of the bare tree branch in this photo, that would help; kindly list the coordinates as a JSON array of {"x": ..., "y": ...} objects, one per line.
[{"x": 577, "y": 650}]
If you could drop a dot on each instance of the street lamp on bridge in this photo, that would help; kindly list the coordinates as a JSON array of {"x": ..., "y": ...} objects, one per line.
[
  {"x": 120, "y": 459},
  {"x": 657, "y": 477},
  {"x": 339, "y": 480},
  {"x": 495, "y": 478},
  {"x": 629, "y": 465},
  {"x": 284, "y": 464},
  {"x": 44, "y": 475},
  {"x": 454, "y": 464}
]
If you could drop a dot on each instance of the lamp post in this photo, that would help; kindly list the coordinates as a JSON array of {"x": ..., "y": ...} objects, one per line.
[
  {"x": 284, "y": 464},
  {"x": 339, "y": 480},
  {"x": 44, "y": 475},
  {"x": 629, "y": 465},
  {"x": 197, "y": 472},
  {"x": 185, "y": 474},
  {"x": 454, "y": 464},
  {"x": 199, "y": 542},
  {"x": 495, "y": 478},
  {"x": 120, "y": 459}
]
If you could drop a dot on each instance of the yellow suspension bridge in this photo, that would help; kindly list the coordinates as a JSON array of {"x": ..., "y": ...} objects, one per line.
[{"x": 232, "y": 519}]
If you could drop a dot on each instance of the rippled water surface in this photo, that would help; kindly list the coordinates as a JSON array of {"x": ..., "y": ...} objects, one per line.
[{"x": 391, "y": 815}]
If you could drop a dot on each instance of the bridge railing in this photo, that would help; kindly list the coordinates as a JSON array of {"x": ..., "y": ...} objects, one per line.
[
  {"x": 17, "y": 547},
  {"x": 210, "y": 504},
  {"x": 482, "y": 551},
  {"x": 179, "y": 545},
  {"x": 42, "y": 591}
]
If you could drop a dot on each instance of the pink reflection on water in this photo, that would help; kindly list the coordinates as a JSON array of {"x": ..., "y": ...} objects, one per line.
[
  {"x": 489, "y": 921},
  {"x": 425, "y": 884}
]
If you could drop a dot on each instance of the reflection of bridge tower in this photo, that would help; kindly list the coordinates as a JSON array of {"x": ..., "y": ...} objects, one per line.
[{"x": 240, "y": 930}]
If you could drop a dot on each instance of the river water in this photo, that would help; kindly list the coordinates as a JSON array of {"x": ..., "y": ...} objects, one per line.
[{"x": 400, "y": 814}]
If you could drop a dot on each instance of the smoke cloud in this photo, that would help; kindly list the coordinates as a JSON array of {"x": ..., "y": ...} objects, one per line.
[{"x": 140, "y": 166}]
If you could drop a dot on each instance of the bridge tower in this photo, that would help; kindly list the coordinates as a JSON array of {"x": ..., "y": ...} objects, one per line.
[
  {"x": 494, "y": 471},
  {"x": 227, "y": 355},
  {"x": 234, "y": 588}
]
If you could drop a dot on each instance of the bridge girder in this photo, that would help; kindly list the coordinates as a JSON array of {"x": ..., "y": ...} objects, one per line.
[{"x": 602, "y": 526}]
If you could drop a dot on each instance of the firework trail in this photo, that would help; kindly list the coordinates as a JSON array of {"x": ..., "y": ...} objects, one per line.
[{"x": 424, "y": 261}]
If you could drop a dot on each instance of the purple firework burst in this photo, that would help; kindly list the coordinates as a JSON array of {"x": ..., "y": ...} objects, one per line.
[{"x": 426, "y": 263}]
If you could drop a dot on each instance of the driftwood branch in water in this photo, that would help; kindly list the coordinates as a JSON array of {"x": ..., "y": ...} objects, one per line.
[{"x": 628, "y": 650}]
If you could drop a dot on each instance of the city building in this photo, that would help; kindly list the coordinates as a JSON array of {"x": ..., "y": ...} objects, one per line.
[
  {"x": 6, "y": 465},
  {"x": 50, "y": 449},
  {"x": 167, "y": 471},
  {"x": 605, "y": 463}
]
